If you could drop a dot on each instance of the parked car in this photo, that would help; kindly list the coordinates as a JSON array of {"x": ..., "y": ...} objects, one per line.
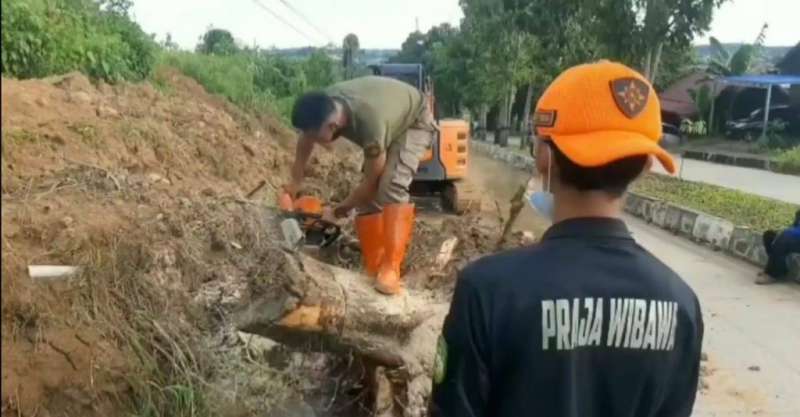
[{"x": 753, "y": 124}]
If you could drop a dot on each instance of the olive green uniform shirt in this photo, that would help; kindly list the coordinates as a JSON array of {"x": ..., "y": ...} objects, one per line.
[{"x": 381, "y": 110}]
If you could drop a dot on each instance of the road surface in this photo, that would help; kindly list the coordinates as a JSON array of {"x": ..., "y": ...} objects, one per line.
[
  {"x": 752, "y": 335},
  {"x": 754, "y": 181}
]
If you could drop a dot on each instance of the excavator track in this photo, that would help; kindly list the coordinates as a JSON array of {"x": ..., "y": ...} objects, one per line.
[{"x": 461, "y": 197}]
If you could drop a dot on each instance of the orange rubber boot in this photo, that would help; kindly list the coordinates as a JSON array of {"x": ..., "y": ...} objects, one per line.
[
  {"x": 369, "y": 228},
  {"x": 398, "y": 221}
]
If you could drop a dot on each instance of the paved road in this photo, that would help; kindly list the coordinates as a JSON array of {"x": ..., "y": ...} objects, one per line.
[
  {"x": 755, "y": 181},
  {"x": 746, "y": 325}
]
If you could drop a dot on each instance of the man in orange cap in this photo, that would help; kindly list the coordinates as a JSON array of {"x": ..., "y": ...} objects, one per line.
[{"x": 586, "y": 323}]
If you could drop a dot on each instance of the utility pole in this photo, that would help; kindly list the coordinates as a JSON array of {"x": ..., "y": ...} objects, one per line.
[{"x": 416, "y": 23}]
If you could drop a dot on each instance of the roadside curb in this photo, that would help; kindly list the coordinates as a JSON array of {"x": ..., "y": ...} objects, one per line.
[
  {"x": 718, "y": 233},
  {"x": 514, "y": 159},
  {"x": 765, "y": 164},
  {"x": 699, "y": 227}
]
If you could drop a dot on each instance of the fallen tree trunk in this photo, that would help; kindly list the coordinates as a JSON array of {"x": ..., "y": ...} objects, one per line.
[{"x": 336, "y": 309}]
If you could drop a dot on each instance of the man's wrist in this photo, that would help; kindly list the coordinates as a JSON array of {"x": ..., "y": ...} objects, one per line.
[
  {"x": 291, "y": 189},
  {"x": 340, "y": 211}
]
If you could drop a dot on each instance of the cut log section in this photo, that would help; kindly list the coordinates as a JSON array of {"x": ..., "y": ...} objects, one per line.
[{"x": 336, "y": 309}]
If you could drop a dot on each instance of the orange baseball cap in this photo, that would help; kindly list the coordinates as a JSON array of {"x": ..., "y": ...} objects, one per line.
[{"x": 601, "y": 112}]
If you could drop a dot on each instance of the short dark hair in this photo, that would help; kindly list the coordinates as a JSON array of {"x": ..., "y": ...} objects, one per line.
[
  {"x": 797, "y": 218},
  {"x": 613, "y": 178},
  {"x": 311, "y": 110}
]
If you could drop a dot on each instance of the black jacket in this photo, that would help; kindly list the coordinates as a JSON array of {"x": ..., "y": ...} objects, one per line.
[{"x": 584, "y": 324}]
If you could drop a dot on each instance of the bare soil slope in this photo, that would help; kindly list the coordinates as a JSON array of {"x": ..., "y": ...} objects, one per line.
[{"x": 144, "y": 189}]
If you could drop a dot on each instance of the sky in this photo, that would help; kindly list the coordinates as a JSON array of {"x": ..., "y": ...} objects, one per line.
[{"x": 386, "y": 23}]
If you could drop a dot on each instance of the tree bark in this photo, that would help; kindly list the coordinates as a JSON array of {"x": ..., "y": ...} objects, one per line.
[
  {"x": 512, "y": 94},
  {"x": 526, "y": 118},
  {"x": 316, "y": 304},
  {"x": 656, "y": 61},
  {"x": 647, "y": 61},
  {"x": 483, "y": 115},
  {"x": 502, "y": 130}
]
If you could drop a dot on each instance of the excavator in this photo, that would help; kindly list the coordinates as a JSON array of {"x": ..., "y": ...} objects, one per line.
[{"x": 442, "y": 170}]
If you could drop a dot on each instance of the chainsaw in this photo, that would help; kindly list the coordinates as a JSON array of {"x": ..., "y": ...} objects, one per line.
[{"x": 302, "y": 225}]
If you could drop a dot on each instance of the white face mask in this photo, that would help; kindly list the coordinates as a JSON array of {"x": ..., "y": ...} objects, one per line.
[{"x": 543, "y": 201}]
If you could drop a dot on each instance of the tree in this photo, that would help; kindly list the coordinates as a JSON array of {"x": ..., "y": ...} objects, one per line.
[
  {"x": 724, "y": 64},
  {"x": 676, "y": 63},
  {"x": 413, "y": 50},
  {"x": 170, "y": 44},
  {"x": 418, "y": 47},
  {"x": 637, "y": 31},
  {"x": 437, "y": 52},
  {"x": 523, "y": 43},
  {"x": 120, "y": 7},
  {"x": 350, "y": 47},
  {"x": 701, "y": 97},
  {"x": 217, "y": 42},
  {"x": 488, "y": 35},
  {"x": 490, "y": 79}
]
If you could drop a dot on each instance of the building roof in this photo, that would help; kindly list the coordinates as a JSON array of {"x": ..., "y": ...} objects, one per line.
[
  {"x": 677, "y": 99},
  {"x": 761, "y": 80}
]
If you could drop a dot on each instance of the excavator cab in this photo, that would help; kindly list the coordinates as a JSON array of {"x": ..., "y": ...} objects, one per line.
[{"x": 443, "y": 168}]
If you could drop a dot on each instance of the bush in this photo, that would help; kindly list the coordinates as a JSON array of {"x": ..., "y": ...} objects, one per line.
[
  {"x": 231, "y": 76},
  {"x": 789, "y": 161},
  {"x": 255, "y": 80},
  {"x": 47, "y": 37}
]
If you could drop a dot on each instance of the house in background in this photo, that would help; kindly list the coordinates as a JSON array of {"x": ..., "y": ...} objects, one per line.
[
  {"x": 731, "y": 101},
  {"x": 676, "y": 101}
]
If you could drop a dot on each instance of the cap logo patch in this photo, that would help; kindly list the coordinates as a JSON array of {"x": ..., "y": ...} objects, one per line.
[
  {"x": 544, "y": 118},
  {"x": 631, "y": 95}
]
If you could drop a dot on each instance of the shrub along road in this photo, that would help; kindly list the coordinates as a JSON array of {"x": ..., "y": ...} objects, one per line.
[{"x": 755, "y": 181}]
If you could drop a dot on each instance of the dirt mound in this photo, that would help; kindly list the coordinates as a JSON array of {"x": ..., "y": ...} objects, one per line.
[{"x": 141, "y": 187}]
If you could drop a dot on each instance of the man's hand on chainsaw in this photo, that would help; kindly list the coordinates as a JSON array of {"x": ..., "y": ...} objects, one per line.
[{"x": 329, "y": 214}]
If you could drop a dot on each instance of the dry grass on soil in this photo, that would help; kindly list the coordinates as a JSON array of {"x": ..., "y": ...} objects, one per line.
[
  {"x": 741, "y": 208},
  {"x": 144, "y": 189}
]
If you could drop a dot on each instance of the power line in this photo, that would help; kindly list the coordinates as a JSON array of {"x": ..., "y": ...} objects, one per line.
[
  {"x": 307, "y": 20},
  {"x": 284, "y": 21}
]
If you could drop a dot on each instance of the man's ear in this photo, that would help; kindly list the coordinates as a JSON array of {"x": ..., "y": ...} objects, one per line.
[{"x": 543, "y": 157}]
